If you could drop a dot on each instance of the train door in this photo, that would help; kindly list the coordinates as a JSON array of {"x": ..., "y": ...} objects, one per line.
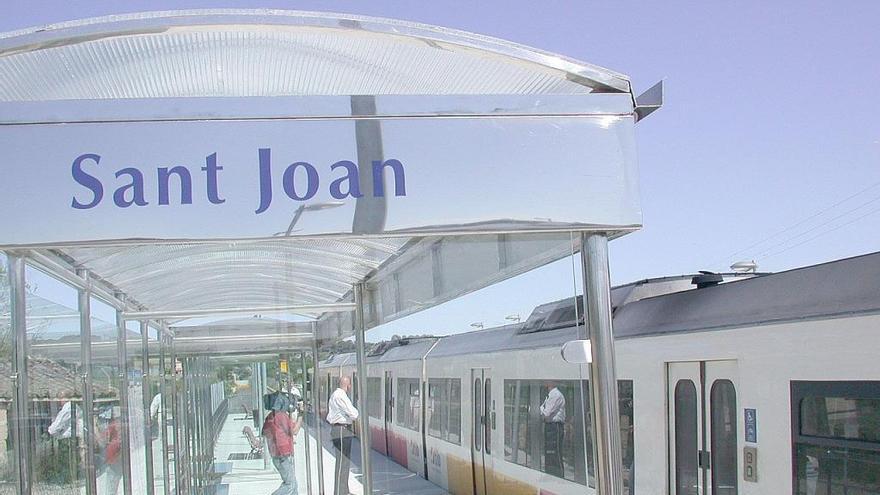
[
  {"x": 482, "y": 422},
  {"x": 703, "y": 451},
  {"x": 389, "y": 405}
]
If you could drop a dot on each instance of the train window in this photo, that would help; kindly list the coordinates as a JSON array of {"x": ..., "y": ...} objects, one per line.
[
  {"x": 841, "y": 417},
  {"x": 374, "y": 397},
  {"x": 553, "y": 443},
  {"x": 686, "y": 441},
  {"x": 478, "y": 415},
  {"x": 444, "y": 409},
  {"x": 487, "y": 419},
  {"x": 723, "y": 439},
  {"x": 409, "y": 405},
  {"x": 836, "y": 433}
]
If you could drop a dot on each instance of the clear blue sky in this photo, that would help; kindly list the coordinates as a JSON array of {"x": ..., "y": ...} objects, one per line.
[{"x": 771, "y": 117}]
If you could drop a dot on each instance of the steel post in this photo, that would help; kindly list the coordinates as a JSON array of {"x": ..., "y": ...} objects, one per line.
[
  {"x": 175, "y": 415},
  {"x": 163, "y": 410},
  {"x": 302, "y": 358},
  {"x": 603, "y": 390},
  {"x": 84, "y": 296},
  {"x": 18, "y": 329},
  {"x": 147, "y": 399},
  {"x": 315, "y": 408},
  {"x": 122, "y": 363},
  {"x": 363, "y": 420}
]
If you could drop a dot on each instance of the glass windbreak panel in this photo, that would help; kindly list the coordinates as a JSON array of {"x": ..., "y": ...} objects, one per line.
[
  {"x": 841, "y": 418},
  {"x": 8, "y": 477},
  {"x": 55, "y": 412},
  {"x": 686, "y": 447},
  {"x": 374, "y": 397},
  {"x": 109, "y": 421},
  {"x": 722, "y": 405},
  {"x": 138, "y": 410},
  {"x": 409, "y": 404},
  {"x": 156, "y": 412}
]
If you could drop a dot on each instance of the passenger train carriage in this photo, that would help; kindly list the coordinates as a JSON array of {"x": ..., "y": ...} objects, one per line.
[{"x": 766, "y": 385}]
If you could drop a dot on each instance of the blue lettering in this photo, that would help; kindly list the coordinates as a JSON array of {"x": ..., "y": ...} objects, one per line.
[
  {"x": 265, "y": 180},
  {"x": 88, "y": 181},
  {"x": 185, "y": 184},
  {"x": 211, "y": 168},
  {"x": 354, "y": 187},
  {"x": 136, "y": 186},
  {"x": 379, "y": 179},
  {"x": 311, "y": 178}
]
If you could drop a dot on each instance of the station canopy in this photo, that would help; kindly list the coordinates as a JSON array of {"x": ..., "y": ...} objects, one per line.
[{"x": 209, "y": 163}]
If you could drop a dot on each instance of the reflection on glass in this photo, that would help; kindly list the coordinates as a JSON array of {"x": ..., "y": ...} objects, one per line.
[
  {"x": 409, "y": 404},
  {"x": 686, "y": 447},
  {"x": 821, "y": 470},
  {"x": 55, "y": 412},
  {"x": 840, "y": 417},
  {"x": 7, "y": 402},
  {"x": 724, "y": 452},
  {"x": 109, "y": 422},
  {"x": 444, "y": 409}
]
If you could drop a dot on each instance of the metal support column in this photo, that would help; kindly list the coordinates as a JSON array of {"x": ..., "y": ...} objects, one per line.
[
  {"x": 84, "y": 297},
  {"x": 147, "y": 400},
  {"x": 18, "y": 329},
  {"x": 604, "y": 403},
  {"x": 314, "y": 407},
  {"x": 163, "y": 410},
  {"x": 175, "y": 416},
  {"x": 363, "y": 419},
  {"x": 302, "y": 358},
  {"x": 125, "y": 420}
]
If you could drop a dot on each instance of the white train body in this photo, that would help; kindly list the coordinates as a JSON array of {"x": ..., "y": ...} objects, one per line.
[{"x": 712, "y": 383}]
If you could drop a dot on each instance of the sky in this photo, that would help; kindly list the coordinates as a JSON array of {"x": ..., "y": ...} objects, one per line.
[{"x": 767, "y": 147}]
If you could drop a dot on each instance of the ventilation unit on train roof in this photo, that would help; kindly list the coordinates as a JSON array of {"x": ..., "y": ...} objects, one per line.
[{"x": 558, "y": 314}]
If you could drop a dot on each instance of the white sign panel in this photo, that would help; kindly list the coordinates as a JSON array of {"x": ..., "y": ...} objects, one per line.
[{"x": 233, "y": 179}]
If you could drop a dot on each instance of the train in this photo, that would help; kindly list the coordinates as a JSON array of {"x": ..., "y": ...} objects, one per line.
[{"x": 728, "y": 384}]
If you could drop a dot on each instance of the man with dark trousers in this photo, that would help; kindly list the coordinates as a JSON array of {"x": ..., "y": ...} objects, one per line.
[
  {"x": 553, "y": 414},
  {"x": 341, "y": 415}
]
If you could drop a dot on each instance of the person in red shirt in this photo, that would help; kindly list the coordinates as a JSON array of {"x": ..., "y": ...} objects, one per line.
[{"x": 280, "y": 431}]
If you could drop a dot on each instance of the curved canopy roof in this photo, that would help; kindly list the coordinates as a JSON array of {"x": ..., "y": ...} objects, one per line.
[
  {"x": 264, "y": 53},
  {"x": 275, "y": 53}
]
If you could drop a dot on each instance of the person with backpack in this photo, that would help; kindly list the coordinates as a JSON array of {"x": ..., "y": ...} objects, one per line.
[{"x": 280, "y": 432}]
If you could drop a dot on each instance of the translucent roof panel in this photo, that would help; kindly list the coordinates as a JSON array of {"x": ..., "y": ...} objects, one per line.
[
  {"x": 184, "y": 277},
  {"x": 275, "y": 53}
]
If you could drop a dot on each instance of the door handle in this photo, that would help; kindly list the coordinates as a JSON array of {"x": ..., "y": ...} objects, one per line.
[{"x": 705, "y": 459}]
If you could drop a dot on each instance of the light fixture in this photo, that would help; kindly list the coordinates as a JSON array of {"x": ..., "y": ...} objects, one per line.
[
  {"x": 325, "y": 205},
  {"x": 477, "y": 324},
  {"x": 745, "y": 266}
]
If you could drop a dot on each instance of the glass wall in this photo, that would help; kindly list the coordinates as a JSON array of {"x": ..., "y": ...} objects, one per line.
[
  {"x": 8, "y": 477},
  {"x": 55, "y": 417}
]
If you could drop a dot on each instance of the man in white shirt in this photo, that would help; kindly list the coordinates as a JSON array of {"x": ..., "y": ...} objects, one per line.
[
  {"x": 341, "y": 415},
  {"x": 553, "y": 414}
]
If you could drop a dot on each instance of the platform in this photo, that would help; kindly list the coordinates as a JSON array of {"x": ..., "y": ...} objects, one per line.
[{"x": 258, "y": 476}]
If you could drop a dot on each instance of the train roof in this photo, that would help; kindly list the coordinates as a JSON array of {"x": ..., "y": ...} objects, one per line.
[
  {"x": 839, "y": 288},
  {"x": 413, "y": 349},
  {"x": 844, "y": 287},
  {"x": 507, "y": 337}
]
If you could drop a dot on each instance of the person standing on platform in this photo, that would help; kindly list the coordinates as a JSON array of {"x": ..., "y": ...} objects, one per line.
[
  {"x": 280, "y": 431},
  {"x": 341, "y": 415},
  {"x": 553, "y": 415}
]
